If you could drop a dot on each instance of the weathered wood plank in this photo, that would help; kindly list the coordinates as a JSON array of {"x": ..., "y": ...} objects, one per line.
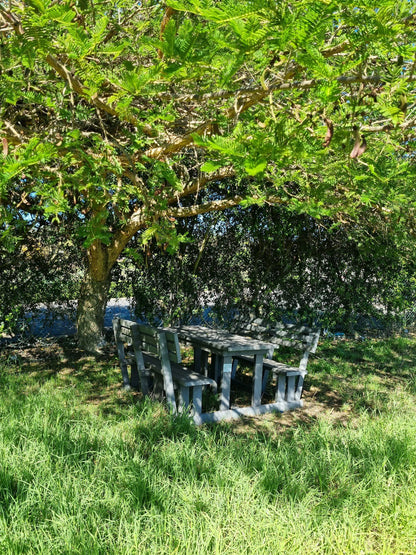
[
  {"x": 226, "y": 383},
  {"x": 236, "y": 413},
  {"x": 166, "y": 372}
]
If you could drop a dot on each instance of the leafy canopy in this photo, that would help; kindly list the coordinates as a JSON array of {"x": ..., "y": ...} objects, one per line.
[{"x": 119, "y": 115}]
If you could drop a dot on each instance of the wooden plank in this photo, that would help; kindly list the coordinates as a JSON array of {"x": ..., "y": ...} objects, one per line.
[
  {"x": 226, "y": 383},
  {"x": 236, "y": 413},
  {"x": 220, "y": 341},
  {"x": 173, "y": 347},
  {"x": 257, "y": 381},
  {"x": 166, "y": 372},
  {"x": 153, "y": 362},
  {"x": 149, "y": 338},
  {"x": 181, "y": 375},
  {"x": 197, "y": 399}
]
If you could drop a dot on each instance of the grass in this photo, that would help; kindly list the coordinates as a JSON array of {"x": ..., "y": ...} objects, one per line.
[{"x": 86, "y": 468}]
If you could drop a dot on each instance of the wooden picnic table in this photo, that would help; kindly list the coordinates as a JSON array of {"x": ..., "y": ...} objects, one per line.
[{"x": 226, "y": 346}]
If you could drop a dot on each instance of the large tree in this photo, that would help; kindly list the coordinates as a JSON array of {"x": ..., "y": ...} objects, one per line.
[{"x": 122, "y": 116}]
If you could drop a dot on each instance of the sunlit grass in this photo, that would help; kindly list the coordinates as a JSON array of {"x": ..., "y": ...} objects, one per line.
[{"x": 86, "y": 468}]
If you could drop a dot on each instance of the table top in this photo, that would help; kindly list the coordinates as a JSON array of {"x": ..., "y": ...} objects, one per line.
[{"x": 221, "y": 340}]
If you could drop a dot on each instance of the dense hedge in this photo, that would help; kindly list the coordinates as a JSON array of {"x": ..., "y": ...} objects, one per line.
[
  {"x": 267, "y": 261},
  {"x": 38, "y": 264}
]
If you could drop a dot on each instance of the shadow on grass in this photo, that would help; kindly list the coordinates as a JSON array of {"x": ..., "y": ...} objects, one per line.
[
  {"x": 96, "y": 378},
  {"x": 345, "y": 378}
]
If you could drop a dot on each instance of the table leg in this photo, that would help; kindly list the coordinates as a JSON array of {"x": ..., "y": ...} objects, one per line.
[
  {"x": 216, "y": 367},
  {"x": 257, "y": 381},
  {"x": 204, "y": 363},
  {"x": 227, "y": 364},
  {"x": 200, "y": 360},
  {"x": 197, "y": 358}
]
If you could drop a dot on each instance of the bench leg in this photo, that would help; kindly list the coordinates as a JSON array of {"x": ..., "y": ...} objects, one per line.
[
  {"x": 289, "y": 387},
  {"x": 265, "y": 378},
  {"x": 234, "y": 369},
  {"x": 144, "y": 383},
  {"x": 215, "y": 368},
  {"x": 197, "y": 399},
  {"x": 125, "y": 375},
  {"x": 226, "y": 382},
  {"x": 204, "y": 363},
  {"x": 157, "y": 387},
  {"x": 201, "y": 362},
  {"x": 258, "y": 381},
  {"x": 299, "y": 388},
  {"x": 281, "y": 387},
  {"x": 183, "y": 398},
  {"x": 134, "y": 376},
  {"x": 291, "y": 382}
]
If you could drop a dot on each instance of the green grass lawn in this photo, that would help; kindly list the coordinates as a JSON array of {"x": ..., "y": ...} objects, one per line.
[{"x": 86, "y": 468}]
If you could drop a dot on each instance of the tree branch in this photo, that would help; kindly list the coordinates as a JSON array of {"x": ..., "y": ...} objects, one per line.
[{"x": 201, "y": 181}]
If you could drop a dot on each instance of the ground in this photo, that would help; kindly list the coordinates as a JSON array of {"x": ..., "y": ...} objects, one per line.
[{"x": 362, "y": 381}]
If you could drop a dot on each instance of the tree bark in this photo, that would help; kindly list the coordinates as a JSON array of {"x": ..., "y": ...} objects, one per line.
[
  {"x": 90, "y": 314},
  {"x": 93, "y": 298}
]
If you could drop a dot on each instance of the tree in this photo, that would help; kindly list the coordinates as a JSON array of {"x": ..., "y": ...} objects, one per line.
[{"x": 129, "y": 117}]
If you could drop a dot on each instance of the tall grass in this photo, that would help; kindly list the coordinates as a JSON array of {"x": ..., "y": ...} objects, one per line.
[{"x": 85, "y": 468}]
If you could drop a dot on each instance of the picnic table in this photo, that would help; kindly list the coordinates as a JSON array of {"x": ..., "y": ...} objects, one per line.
[
  {"x": 154, "y": 355},
  {"x": 226, "y": 346}
]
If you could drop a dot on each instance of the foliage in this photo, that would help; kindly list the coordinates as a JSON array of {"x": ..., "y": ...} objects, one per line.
[
  {"x": 37, "y": 266},
  {"x": 264, "y": 261},
  {"x": 85, "y": 469},
  {"x": 120, "y": 116}
]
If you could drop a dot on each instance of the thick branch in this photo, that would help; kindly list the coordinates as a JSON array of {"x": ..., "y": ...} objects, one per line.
[
  {"x": 279, "y": 84},
  {"x": 202, "y": 180},
  {"x": 214, "y": 206},
  {"x": 138, "y": 219},
  {"x": 180, "y": 142},
  {"x": 80, "y": 89}
]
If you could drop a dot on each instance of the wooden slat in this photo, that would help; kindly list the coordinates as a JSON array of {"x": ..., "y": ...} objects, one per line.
[
  {"x": 173, "y": 347},
  {"x": 191, "y": 379},
  {"x": 236, "y": 413},
  {"x": 180, "y": 374},
  {"x": 166, "y": 372}
]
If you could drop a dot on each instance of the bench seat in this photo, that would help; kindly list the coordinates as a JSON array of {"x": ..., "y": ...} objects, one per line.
[
  {"x": 180, "y": 374},
  {"x": 289, "y": 378},
  {"x": 273, "y": 365}
]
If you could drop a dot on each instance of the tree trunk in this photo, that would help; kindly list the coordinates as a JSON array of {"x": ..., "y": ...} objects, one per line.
[
  {"x": 90, "y": 314},
  {"x": 93, "y": 298}
]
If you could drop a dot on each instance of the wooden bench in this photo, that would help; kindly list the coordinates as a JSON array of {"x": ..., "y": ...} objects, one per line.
[
  {"x": 154, "y": 355},
  {"x": 289, "y": 379}
]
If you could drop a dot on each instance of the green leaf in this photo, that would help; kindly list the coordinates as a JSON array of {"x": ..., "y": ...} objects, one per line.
[
  {"x": 254, "y": 167},
  {"x": 210, "y": 166}
]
